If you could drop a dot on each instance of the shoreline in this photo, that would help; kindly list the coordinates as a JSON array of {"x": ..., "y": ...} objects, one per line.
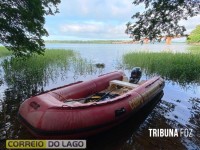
[{"x": 91, "y": 41}]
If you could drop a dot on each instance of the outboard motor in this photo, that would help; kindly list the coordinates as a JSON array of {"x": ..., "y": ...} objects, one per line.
[{"x": 136, "y": 74}]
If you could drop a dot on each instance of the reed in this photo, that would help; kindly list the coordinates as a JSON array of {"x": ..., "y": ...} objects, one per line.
[
  {"x": 51, "y": 59},
  {"x": 30, "y": 75},
  {"x": 183, "y": 68},
  {"x": 82, "y": 66}
]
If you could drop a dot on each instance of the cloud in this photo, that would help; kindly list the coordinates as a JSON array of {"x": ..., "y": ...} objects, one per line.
[
  {"x": 97, "y": 19},
  {"x": 96, "y": 9},
  {"x": 80, "y": 28},
  {"x": 92, "y": 19},
  {"x": 93, "y": 30}
]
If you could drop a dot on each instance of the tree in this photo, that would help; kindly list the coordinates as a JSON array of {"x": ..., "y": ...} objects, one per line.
[
  {"x": 22, "y": 24},
  {"x": 194, "y": 36},
  {"x": 161, "y": 18}
]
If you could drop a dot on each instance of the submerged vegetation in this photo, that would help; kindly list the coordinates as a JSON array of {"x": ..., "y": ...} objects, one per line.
[{"x": 183, "y": 68}]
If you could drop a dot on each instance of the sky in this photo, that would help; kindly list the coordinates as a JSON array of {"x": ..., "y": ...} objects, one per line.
[{"x": 96, "y": 20}]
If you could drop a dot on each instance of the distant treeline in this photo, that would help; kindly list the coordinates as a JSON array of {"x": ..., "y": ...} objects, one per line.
[{"x": 87, "y": 41}]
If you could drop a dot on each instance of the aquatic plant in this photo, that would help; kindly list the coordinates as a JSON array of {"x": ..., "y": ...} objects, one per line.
[
  {"x": 32, "y": 74},
  {"x": 183, "y": 68},
  {"x": 83, "y": 66}
]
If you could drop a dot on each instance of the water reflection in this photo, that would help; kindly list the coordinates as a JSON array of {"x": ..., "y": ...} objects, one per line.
[
  {"x": 134, "y": 133},
  {"x": 194, "y": 121},
  {"x": 125, "y": 135}
]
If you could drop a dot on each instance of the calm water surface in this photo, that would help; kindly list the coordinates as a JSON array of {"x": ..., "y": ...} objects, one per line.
[{"x": 178, "y": 108}]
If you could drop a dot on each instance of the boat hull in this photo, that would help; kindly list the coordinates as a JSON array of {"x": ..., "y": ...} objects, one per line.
[{"x": 46, "y": 116}]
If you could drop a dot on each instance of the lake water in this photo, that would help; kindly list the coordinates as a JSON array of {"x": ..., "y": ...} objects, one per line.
[{"x": 178, "y": 109}]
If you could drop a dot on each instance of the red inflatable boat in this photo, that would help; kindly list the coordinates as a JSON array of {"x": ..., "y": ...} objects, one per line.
[{"x": 86, "y": 108}]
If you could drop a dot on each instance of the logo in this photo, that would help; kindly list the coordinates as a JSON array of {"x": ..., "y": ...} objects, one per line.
[
  {"x": 171, "y": 132},
  {"x": 46, "y": 144}
]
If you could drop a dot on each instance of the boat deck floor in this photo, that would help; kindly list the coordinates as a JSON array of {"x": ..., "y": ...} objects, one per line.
[{"x": 115, "y": 88}]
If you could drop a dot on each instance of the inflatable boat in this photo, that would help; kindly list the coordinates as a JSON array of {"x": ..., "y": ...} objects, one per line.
[{"x": 85, "y": 108}]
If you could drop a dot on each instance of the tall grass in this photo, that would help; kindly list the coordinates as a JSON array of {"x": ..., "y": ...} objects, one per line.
[
  {"x": 32, "y": 74},
  {"x": 179, "y": 67},
  {"x": 82, "y": 66},
  {"x": 39, "y": 63}
]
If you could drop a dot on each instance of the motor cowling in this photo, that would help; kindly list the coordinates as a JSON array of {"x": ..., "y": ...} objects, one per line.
[{"x": 136, "y": 74}]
